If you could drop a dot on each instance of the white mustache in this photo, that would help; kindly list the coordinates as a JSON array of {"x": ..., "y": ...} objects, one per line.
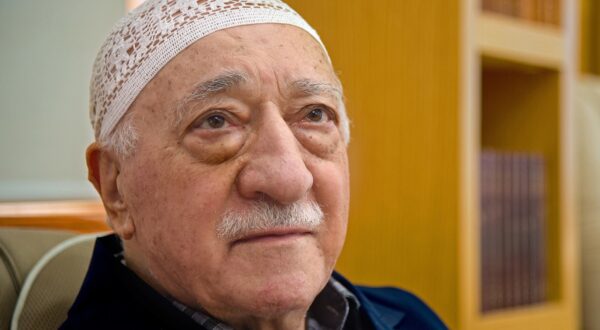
[{"x": 264, "y": 216}]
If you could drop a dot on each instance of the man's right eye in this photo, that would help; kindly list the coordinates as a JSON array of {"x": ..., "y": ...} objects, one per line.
[{"x": 214, "y": 121}]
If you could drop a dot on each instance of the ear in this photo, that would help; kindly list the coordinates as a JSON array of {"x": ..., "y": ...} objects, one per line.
[{"x": 103, "y": 172}]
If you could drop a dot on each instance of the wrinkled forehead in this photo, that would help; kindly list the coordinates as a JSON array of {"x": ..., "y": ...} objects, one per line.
[
  {"x": 276, "y": 49},
  {"x": 143, "y": 42},
  {"x": 242, "y": 61}
]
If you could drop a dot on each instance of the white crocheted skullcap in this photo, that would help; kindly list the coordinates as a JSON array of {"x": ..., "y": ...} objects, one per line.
[{"x": 151, "y": 35}]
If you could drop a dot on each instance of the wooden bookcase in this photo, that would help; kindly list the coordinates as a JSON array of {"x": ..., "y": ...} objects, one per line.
[
  {"x": 429, "y": 85},
  {"x": 519, "y": 80}
]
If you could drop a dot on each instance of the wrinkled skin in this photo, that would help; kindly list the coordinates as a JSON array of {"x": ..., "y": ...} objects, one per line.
[{"x": 257, "y": 140}]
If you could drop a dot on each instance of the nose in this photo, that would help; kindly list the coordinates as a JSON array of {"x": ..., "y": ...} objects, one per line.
[{"x": 275, "y": 165}]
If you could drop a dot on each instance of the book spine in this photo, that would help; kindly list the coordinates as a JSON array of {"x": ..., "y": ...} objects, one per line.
[
  {"x": 542, "y": 232},
  {"x": 484, "y": 218},
  {"x": 526, "y": 9},
  {"x": 495, "y": 252},
  {"x": 539, "y": 229},
  {"x": 505, "y": 210},
  {"x": 550, "y": 11},
  {"x": 485, "y": 203},
  {"x": 511, "y": 231},
  {"x": 517, "y": 223},
  {"x": 492, "y": 263},
  {"x": 488, "y": 5},
  {"x": 526, "y": 230},
  {"x": 504, "y": 7}
]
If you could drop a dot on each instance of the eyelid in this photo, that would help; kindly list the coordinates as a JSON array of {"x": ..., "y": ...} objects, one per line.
[
  {"x": 330, "y": 112},
  {"x": 195, "y": 109},
  {"x": 199, "y": 120}
]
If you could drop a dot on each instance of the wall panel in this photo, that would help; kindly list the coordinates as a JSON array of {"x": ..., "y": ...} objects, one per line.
[{"x": 399, "y": 62}]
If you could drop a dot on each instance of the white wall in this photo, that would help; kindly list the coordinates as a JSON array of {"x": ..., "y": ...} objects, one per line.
[{"x": 46, "y": 53}]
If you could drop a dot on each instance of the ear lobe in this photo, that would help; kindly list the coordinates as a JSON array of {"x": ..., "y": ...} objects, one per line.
[{"x": 103, "y": 173}]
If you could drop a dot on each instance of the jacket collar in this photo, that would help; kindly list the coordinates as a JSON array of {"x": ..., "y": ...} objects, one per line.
[{"x": 382, "y": 316}]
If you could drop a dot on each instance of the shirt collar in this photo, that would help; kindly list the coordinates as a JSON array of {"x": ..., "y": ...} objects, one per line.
[
  {"x": 331, "y": 307},
  {"x": 330, "y": 310}
]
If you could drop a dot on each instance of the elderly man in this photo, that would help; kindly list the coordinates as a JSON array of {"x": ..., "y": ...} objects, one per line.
[{"x": 220, "y": 157}]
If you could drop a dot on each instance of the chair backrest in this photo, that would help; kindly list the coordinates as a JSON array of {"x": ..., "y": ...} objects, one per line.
[
  {"x": 20, "y": 249},
  {"x": 52, "y": 285},
  {"x": 41, "y": 272}
]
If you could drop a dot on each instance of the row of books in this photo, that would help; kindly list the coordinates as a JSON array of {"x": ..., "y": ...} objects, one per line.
[
  {"x": 544, "y": 11},
  {"x": 513, "y": 230}
]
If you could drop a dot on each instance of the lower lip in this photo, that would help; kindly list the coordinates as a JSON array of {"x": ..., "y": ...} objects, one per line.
[{"x": 273, "y": 238}]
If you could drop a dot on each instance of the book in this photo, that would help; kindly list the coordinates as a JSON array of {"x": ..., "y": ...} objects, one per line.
[
  {"x": 538, "y": 241},
  {"x": 551, "y": 12},
  {"x": 513, "y": 229},
  {"x": 543, "y": 11},
  {"x": 526, "y": 9}
]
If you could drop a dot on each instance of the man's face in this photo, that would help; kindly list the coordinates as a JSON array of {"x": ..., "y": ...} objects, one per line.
[{"x": 246, "y": 114}]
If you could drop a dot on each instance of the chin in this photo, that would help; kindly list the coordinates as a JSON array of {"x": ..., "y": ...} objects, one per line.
[
  {"x": 284, "y": 294},
  {"x": 280, "y": 294}
]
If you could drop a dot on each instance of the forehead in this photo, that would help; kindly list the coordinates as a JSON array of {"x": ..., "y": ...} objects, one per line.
[{"x": 261, "y": 50}]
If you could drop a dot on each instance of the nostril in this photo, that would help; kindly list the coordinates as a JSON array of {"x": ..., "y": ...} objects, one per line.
[{"x": 262, "y": 197}]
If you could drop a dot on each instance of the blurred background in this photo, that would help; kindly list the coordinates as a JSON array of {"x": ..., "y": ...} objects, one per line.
[{"x": 475, "y": 152}]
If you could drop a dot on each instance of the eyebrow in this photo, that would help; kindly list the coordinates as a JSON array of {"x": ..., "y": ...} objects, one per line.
[
  {"x": 216, "y": 85},
  {"x": 209, "y": 88},
  {"x": 309, "y": 87},
  {"x": 232, "y": 79}
]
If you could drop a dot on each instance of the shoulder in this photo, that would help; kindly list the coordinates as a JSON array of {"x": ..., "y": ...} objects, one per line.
[
  {"x": 99, "y": 317},
  {"x": 103, "y": 302},
  {"x": 106, "y": 309},
  {"x": 113, "y": 297},
  {"x": 394, "y": 308}
]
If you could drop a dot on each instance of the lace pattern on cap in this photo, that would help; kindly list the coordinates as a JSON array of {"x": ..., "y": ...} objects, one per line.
[{"x": 151, "y": 35}]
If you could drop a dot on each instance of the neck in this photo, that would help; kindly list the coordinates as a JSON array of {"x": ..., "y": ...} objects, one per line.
[
  {"x": 262, "y": 319},
  {"x": 289, "y": 321}
]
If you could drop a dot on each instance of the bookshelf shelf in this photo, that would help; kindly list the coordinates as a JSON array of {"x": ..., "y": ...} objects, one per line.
[
  {"x": 519, "y": 41},
  {"x": 544, "y": 316}
]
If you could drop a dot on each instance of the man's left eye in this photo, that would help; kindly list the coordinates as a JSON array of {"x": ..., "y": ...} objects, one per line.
[
  {"x": 214, "y": 121},
  {"x": 317, "y": 115}
]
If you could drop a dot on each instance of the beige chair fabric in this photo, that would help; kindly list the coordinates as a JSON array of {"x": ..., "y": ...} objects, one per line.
[
  {"x": 52, "y": 285},
  {"x": 20, "y": 249},
  {"x": 10, "y": 285}
]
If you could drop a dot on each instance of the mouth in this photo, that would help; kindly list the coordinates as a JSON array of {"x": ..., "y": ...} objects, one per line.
[{"x": 275, "y": 235}]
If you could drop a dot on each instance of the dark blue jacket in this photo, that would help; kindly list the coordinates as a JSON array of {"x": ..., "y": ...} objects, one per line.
[{"x": 113, "y": 297}]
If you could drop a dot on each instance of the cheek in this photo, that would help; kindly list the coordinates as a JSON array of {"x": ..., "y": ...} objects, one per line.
[
  {"x": 324, "y": 142},
  {"x": 214, "y": 147},
  {"x": 175, "y": 208},
  {"x": 331, "y": 190},
  {"x": 176, "y": 203}
]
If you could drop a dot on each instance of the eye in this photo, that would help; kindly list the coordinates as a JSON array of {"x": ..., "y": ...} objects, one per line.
[
  {"x": 317, "y": 115},
  {"x": 214, "y": 121}
]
